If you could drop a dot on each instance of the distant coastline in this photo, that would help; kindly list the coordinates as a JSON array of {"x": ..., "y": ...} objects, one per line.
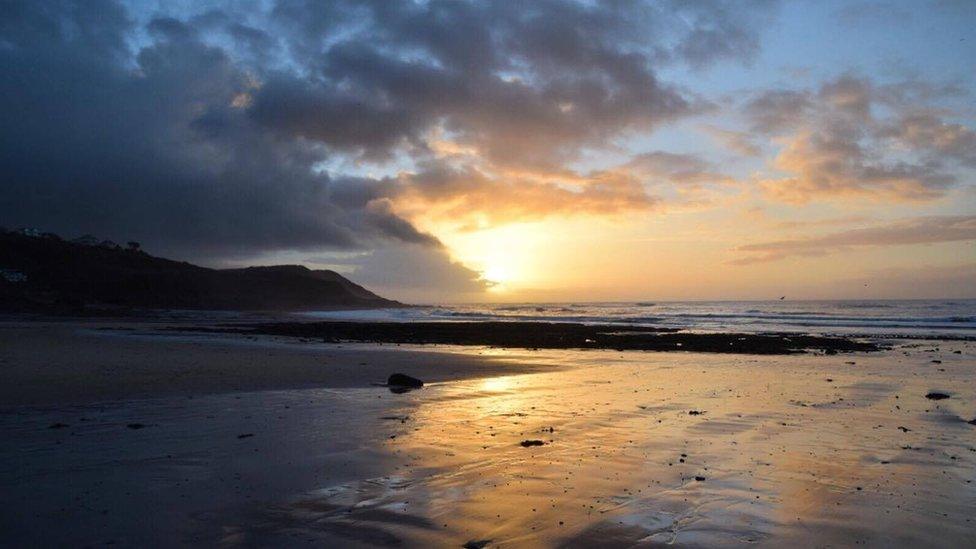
[{"x": 43, "y": 273}]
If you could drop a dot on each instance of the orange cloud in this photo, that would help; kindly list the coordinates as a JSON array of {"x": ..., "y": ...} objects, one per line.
[
  {"x": 920, "y": 230},
  {"x": 853, "y": 138}
]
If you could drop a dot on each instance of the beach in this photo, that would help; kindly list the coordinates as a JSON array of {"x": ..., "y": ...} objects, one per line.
[{"x": 140, "y": 436}]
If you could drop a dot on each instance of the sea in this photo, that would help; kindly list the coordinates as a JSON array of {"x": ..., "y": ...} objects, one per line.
[{"x": 929, "y": 318}]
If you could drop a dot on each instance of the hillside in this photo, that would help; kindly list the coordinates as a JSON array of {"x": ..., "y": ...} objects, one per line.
[{"x": 45, "y": 273}]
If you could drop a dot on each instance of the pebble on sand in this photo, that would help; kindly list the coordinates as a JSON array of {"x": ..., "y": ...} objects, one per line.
[
  {"x": 934, "y": 395},
  {"x": 527, "y": 443}
]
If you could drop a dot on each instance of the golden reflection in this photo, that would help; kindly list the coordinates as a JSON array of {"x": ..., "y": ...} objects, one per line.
[
  {"x": 496, "y": 384},
  {"x": 773, "y": 453}
]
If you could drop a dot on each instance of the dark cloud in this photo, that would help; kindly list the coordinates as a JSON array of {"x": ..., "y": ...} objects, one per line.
[
  {"x": 524, "y": 85},
  {"x": 158, "y": 151},
  {"x": 212, "y": 134},
  {"x": 922, "y": 230}
]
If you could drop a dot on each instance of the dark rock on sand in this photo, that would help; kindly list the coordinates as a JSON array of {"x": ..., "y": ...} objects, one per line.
[
  {"x": 700, "y": 479},
  {"x": 58, "y": 425},
  {"x": 527, "y": 443},
  {"x": 245, "y": 435},
  {"x": 477, "y": 544},
  {"x": 936, "y": 396},
  {"x": 135, "y": 426},
  {"x": 403, "y": 380},
  {"x": 972, "y": 422}
]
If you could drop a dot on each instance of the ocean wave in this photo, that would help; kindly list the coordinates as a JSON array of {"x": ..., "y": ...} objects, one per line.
[{"x": 863, "y": 317}]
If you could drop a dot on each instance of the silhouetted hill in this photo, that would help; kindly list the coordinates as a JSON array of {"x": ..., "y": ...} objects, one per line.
[{"x": 46, "y": 273}]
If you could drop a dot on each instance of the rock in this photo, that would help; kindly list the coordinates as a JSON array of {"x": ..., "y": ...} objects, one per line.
[
  {"x": 245, "y": 435},
  {"x": 904, "y": 429},
  {"x": 476, "y": 544},
  {"x": 135, "y": 426},
  {"x": 936, "y": 396},
  {"x": 972, "y": 422},
  {"x": 527, "y": 443},
  {"x": 936, "y": 362},
  {"x": 403, "y": 380},
  {"x": 58, "y": 425},
  {"x": 700, "y": 479},
  {"x": 695, "y": 413}
]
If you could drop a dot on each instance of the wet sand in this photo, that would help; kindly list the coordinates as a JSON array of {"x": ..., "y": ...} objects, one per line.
[
  {"x": 56, "y": 363},
  {"x": 638, "y": 449}
]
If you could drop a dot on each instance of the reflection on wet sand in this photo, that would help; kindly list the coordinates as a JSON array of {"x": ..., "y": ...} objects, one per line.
[
  {"x": 625, "y": 461},
  {"x": 638, "y": 449}
]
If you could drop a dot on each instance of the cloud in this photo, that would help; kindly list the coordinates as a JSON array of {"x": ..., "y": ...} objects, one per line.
[
  {"x": 158, "y": 151},
  {"x": 855, "y": 138},
  {"x": 773, "y": 111},
  {"x": 923, "y": 282},
  {"x": 920, "y": 230},
  {"x": 474, "y": 198},
  {"x": 682, "y": 169},
  {"x": 217, "y": 133},
  {"x": 719, "y": 31},
  {"x": 739, "y": 143},
  {"x": 927, "y": 132},
  {"x": 412, "y": 270},
  {"x": 525, "y": 86},
  {"x": 831, "y": 165}
]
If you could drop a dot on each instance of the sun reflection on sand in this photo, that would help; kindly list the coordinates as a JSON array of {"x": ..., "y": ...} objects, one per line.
[
  {"x": 622, "y": 459},
  {"x": 496, "y": 384}
]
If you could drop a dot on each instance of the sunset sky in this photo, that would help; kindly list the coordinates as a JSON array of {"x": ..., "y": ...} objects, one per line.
[{"x": 508, "y": 151}]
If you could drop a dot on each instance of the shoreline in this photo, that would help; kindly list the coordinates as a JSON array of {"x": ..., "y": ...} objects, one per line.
[
  {"x": 80, "y": 361},
  {"x": 548, "y": 335}
]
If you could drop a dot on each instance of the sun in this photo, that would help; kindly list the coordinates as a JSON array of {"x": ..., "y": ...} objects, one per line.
[{"x": 498, "y": 273}]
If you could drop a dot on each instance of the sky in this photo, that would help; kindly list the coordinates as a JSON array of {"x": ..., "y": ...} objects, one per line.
[{"x": 508, "y": 151}]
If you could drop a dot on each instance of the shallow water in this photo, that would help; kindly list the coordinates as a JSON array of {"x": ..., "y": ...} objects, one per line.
[{"x": 785, "y": 457}]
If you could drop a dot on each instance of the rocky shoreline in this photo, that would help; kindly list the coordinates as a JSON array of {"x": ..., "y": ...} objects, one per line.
[{"x": 545, "y": 335}]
